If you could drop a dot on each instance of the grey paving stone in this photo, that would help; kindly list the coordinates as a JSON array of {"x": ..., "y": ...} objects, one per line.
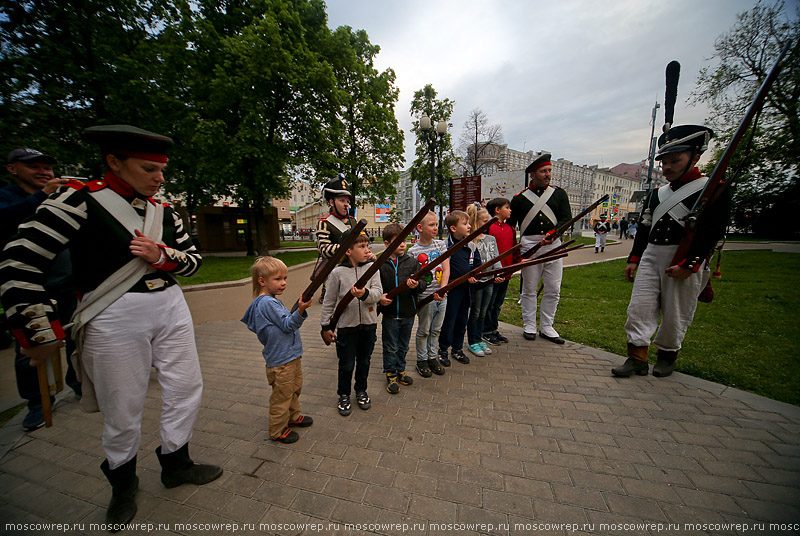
[
  {"x": 550, "y": 437},
  {"x": 585, "y": 498}
]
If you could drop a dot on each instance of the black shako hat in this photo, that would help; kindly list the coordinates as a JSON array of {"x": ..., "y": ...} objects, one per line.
[
  {"x": 541, "y": 160},
  {"x": 684, "y": 138},
  {"x": 336, "y": 187},
  {"x": 29, "y": 155},
  {"x": 128, "y": 140}
]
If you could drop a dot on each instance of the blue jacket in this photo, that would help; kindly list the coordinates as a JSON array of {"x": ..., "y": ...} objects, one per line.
[
  {"x": 277, "y": 329},
  {"x": 463, "y": 260}
]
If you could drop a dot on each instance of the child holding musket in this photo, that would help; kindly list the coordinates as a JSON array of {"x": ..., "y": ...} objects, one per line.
[
  {"x": 356, "y": 333},
  {"x": 431, "y": 315},
  {"x": 279, "y": 331},
  {"x": 398, "y": 313},
  {"x": 458, "y": 301}
]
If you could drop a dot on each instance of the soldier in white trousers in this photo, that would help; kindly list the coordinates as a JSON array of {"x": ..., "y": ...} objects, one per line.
[
  {"x": 539, "y": 210},
  {"x": 665, "y": 287},
  {"x": 126, "y": 249}
]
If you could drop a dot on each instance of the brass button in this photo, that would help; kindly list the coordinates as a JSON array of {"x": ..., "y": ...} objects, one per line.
[
  {"x": 35, "y": 326},
  {"x": 30, "y": 313},
  {"x": 38, "y": 339}
]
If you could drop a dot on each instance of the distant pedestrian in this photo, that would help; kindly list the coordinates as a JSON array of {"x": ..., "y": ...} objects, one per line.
[
  {"x": 601, "y": 229},
  {"x": 278, "y": 330},
  {"x": 632, "y": 229},
  {"x": 623, "y": 228}
]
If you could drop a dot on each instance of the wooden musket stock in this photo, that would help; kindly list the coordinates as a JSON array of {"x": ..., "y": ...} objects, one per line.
[
  {"x": 715, "y": 186},
  {"x": 561, "y": 230},
  {"x": 506, "y": 271},
  {"x": 331, "y": 263},
  {"x": 440, "y": 259},
  {"x": 452, "y": 284},
  {"x": 375, "y": 266}
]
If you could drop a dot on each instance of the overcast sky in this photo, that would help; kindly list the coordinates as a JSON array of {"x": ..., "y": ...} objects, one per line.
[{"x": 578, "y": 78}]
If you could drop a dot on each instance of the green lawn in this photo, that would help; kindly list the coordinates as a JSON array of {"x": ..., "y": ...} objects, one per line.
[
  {"x": 298, "y": 244},
  {"x": 748, "y": 337},
  {"x": 216, "y": 269}
]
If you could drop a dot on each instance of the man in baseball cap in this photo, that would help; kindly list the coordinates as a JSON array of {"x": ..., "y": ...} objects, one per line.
[{"x": 35, "y": 181}]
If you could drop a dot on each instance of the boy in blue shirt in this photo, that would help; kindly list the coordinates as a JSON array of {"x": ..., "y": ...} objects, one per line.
[
  {"x": 279, "y": 331},
  {"x": 456, "y": 314}
]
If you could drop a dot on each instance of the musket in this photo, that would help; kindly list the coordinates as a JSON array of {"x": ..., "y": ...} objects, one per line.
[
  {"x": 44, "y": 391},
  {"x": 715, "y": 186},
  {"x": 375, "y": 266},
  {"x": 440, "y": 259},
  {"x": 454, "y": 283},
  {"x": 508, "y": 270},
  {"x": 331, "y": 263},
  {"x": 555, "y": 233}
]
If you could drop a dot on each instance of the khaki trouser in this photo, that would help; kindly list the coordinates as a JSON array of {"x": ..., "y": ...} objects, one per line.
[{"x": 284, "y": 405}]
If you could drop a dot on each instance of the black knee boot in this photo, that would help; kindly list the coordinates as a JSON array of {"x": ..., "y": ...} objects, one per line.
[
  {"x": 124, "y": 484},
  {"x": 178, "y": 468}
]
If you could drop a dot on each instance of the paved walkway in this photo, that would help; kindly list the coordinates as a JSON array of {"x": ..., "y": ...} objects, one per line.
[{"x": 527, "y": 440}]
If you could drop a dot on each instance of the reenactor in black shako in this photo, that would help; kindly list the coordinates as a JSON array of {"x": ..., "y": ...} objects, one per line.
[
  {"x": 601, "y": 229},
  {"x": 665, "y": 287}
]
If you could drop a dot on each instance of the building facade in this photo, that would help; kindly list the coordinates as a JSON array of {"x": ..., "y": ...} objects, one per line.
[
  {"x": 376, "y": 216},
  {"x": 620, "y": 189}
]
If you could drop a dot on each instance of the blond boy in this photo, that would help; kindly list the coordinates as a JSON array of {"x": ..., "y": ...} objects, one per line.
[
  {"x": 430, "y": 316},
  {"x": 279, "y": 331}
]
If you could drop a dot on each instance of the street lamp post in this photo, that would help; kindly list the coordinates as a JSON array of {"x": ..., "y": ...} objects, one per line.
[{"x": 426, "y": 124}]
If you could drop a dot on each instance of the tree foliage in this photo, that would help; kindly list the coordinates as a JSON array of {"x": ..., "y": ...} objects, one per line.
[
  {"x": 432, "y": 149},
  {"x": 766, "y": 194},
  {"x": 367, "y": 143},
  {"x": 253, "y": 92},
  {"x": 477, "y": 142},
  {"x": 70, "y": 64}
]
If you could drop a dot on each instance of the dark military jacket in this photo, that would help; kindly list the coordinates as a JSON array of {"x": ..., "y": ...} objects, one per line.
[
  {"x": 668, "y": 232},
  {"x": 540, "y": 224},
  {"x": 99, "y": 245},
  {"x": 329, "y": 235}
]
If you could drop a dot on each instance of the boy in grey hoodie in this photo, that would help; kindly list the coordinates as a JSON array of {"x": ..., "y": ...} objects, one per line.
[
  {"x": 279, "y": 331},
  {"x": 356, "y": 333}
]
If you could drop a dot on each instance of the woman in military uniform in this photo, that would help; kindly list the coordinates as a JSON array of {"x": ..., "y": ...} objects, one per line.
[{"x": 126, "y": 248}]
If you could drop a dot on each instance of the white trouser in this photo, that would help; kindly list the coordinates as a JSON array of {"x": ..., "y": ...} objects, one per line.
[
  {"x": 550, "y": 274},
  {"x": 136, "y": 332},
  {"x": 600, "y": 240},
  {"x": 654, "y": 292}
]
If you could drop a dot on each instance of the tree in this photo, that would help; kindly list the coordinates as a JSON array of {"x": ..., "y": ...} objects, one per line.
[
  {"x": 477, "y": 143},
  {"x": 70, "y": 64},
  {"x": 766, "y": 195},
  {"x": 432, "y": 149},
  {"x": 366, "y": 141},
  {"x": 269, "y": 90}
]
